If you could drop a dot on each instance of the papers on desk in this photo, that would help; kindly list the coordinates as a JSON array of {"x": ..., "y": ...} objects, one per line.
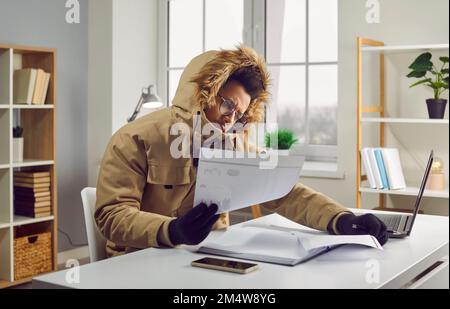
[
  {"x": 279, "y": 240},
  {"x": 232, "y": 180}
]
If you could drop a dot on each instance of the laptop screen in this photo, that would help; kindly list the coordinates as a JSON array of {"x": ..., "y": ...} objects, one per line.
[{"x": 421, "y": 190}]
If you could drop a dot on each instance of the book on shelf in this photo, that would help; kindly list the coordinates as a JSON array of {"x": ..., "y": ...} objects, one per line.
[
  {"x": 35, "y": 209},
  {"x": 30, "y": 86},
  {"x": 31, "y": 204},
  {"x": 32, "y": 185},
  {"x": 32, "y": 195},
  {"x": 45, "y": 91},
  {"x": 39, "y": 86},
  {"x": 368, "y": 168},
  {"x": 31, "y": 190},
  {"x": 31, "y": 174},
  {"x": 380, "y": 164},
  {"x": 30, "y": 198},
  {"x": 383, "y": 168},
  {"x": 375, "y": 169},
  {"x": 23, "y": 86},
  {"x": 32, "y": 180},
  {"x": 393, "y": 165},
  {"x": 32, "y": 213}
]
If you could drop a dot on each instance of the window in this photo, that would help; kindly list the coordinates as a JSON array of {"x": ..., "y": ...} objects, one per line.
[
  {"x": 196, "y": 26},
  {"x": 301, "y": 53},
  {"x": 299, "y": 41}
]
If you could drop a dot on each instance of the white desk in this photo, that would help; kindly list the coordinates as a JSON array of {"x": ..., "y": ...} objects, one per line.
[{"x": 345, "y": 267}]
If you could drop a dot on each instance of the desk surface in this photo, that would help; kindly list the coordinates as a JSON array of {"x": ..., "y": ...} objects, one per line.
[{"x": 345, "y": 267}]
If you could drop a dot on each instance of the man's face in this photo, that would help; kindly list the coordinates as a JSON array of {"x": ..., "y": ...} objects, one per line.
[{"x": 232, "y": 91}]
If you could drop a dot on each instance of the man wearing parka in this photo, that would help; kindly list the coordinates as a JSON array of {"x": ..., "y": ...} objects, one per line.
[{"x": 145, "y": 195}]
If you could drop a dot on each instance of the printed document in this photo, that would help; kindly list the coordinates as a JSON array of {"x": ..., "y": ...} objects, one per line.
[{"x": 233, "y": 181}]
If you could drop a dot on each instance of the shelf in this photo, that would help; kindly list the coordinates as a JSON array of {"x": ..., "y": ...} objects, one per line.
[
  {"x": 4, "y": 106},
  {"x": 405, "y": 120},
  {"x": 4, "y": 225},
  {"x": 20, "y": 220},
  {"x": 3, "y": 166},
  {"x": 409, "y": 191},
  {"x": 31, "y": 162},
  {"x": 29, "y": 106},
  {"x": 405, "y": 48}
]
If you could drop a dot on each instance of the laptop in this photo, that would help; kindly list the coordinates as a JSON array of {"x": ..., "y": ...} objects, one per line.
[{"x": 400, "y": 225}]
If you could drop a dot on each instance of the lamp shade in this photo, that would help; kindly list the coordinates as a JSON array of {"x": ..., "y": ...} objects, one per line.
[{"x": 150, "y": 99}]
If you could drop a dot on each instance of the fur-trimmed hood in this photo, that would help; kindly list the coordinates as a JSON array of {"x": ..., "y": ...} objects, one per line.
[{"x": 205, "y": 74}]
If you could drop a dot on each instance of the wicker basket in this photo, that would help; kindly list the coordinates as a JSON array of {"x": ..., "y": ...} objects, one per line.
[{"x": 32, "y": 255}]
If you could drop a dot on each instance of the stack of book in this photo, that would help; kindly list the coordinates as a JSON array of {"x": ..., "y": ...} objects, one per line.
[
  {"x": 32, "y": 197},
  {"x": 383, "y": 168},
  {"x": 30, "y": 86}
]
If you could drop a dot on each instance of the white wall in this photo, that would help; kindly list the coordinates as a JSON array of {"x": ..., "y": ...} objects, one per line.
[
  {"x": 100, "y": 83},
  {"x": 402, "y": 22},
  {"x": 134, "y": 55},
  {"x": 123, "y": 59}
]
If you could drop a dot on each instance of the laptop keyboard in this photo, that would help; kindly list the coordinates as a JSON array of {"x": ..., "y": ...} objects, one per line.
[{"x": 392, "y": 222}]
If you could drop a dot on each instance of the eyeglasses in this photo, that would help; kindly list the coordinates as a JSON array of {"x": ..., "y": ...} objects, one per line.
[{"x": 228, "y": 107}]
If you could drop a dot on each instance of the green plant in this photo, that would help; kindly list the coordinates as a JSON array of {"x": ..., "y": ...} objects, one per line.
[
  {"x": 17, "y": 132},
  {"x": 438, "y": 81},
  {"x": 280, "y": 139}
]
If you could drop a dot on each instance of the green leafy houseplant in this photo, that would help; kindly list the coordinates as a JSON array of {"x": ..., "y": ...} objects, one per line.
[
  {"x": 433, "y": 77},
  {"x": 280, "y": 139}
]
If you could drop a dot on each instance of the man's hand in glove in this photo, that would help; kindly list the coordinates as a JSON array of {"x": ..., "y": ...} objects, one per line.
[
  {"x": 350, "y": 224},
  {"x": 194, "y": 226}
]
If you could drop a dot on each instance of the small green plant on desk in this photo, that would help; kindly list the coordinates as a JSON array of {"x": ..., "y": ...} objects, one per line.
[{"x": 280, "y": 139}]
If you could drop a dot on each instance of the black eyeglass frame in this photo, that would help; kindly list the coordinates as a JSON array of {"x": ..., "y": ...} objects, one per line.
[{"x": 240, "y": 117}]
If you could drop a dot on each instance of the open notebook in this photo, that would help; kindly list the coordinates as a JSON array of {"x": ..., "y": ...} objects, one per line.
[{"x": 275, "y": 239}]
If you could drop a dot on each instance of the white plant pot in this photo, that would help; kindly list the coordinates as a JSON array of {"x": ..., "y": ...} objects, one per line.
[
  {"x": 279, "y": 152},
  {"x": 17, "y": 149},
  {"x": 283, "y": 152}
]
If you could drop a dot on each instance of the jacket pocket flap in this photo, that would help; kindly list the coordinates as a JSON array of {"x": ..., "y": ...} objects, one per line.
[{"x": 168, "y": 175}]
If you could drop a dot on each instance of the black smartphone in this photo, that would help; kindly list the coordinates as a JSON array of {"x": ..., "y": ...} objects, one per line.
[{"x": 225, "y": 265}]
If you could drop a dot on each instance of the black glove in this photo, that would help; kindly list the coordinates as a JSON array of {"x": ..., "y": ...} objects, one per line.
[
  {"x": 350, "y": 224},
  {"x": 193, "y": 227}
]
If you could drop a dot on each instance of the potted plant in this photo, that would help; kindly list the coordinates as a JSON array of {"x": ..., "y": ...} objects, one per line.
[
  {"x": 438, "y": 81},
  {"x": 17, "y": 144},
  {"x": 280, "y": 140}
]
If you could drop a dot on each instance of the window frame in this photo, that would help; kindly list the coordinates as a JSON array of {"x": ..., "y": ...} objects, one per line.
[
  {"x": 164, "y": 67},
  {"x": 326, "y": 153}
]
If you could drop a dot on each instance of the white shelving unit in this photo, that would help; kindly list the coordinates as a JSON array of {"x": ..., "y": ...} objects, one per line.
[
  {"x": 39, "y": 123},
  {"x": 32, "y": 162},
  {"x": 370, "y": 46},
  {"x": 409, "y": 191},
  {"x": 405, "y": 120},
  {"x": 405, "y": 48},
  {"x": 20, "y": 220},
  {"x": 22, "y": 106}
]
